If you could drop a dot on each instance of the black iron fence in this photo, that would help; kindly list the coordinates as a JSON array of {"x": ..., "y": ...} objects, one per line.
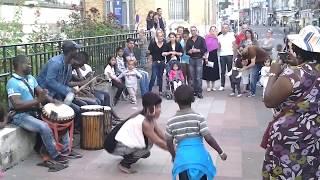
[{"x": 98, "y": 48}]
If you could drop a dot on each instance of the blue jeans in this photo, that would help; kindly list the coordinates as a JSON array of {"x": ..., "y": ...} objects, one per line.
[
  {"x": 143, "y": 58},
  {"x": 254, "y": 78},
  {"x": 196, "y": 68},
  {"x": 144, "y": 82},
  {"x": 33, "y": 124},
  {"x": 103, "y": 97},
  {"x": 157, "y": 72}
]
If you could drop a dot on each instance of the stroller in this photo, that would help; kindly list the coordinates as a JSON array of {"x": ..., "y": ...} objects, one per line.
[{"x": 169, "y": 89}]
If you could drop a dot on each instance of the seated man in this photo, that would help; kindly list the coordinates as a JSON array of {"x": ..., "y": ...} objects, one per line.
[
  {"x": 25, "y": 97},
  {"x": 57, "y": 73}
]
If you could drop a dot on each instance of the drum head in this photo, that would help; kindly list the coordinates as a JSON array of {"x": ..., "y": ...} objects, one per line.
[
  {"x": 107, "y": 108},
  {"x": 92, "y": 113},
  {"x": 91, "y": 107},
  {"x": 63, "y": 112}
]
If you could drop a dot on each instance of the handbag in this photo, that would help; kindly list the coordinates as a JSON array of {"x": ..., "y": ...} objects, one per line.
[{"x": 266, "y": 134}]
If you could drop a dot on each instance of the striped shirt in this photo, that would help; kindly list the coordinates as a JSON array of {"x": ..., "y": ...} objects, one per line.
[{"x": 186, "y": 123}]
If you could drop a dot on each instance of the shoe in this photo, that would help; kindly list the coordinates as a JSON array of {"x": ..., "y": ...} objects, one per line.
[
  {"x": 125, "y": 169},
  {"x": 239, "y": 95},
  {"x": 232, "y": 94},
  {"x": 72, "y": 155},
  {"x": 221, "y": 88},
  {"x": 214, "y": 89},
  {"x": 208, "y": 89},
  {"x": 251, "y": 95},
  {"x": 61, "y": 159},
  {"x": 200, "y": 96},
  {"x": 133, "y": 102},
  {"x": 195, "y": 94}
]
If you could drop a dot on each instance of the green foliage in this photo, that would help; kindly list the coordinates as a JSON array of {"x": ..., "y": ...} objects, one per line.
[{"x": 91, "y": 25}]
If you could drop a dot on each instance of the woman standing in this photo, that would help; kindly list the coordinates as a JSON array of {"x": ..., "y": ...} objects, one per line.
[
  {"x": 174, "y": 49},
  {"x": 211, "y": 71},
  {"x": 150, "y": 20},
  {"x": 292, "y": 139},
  {"x": 250, "y": 40}
]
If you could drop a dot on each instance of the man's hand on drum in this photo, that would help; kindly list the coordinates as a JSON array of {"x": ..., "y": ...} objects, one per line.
[{"x": 42, "y": 96}]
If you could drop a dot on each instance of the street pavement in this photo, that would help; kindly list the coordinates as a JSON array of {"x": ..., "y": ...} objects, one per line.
[{"x": 236, "y": 123}]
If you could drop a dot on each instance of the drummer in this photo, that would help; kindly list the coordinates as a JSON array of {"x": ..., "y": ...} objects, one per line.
[
  {"x": 25, "y": 97},
  {"x": 85, "y": 72},
  {"x": 134, "y": 138},
  {"x": 57, "y": 78}
]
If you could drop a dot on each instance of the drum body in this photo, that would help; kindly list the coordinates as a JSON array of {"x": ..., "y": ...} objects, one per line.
[
  {"x": 107, "y": 119},
  {"x": 93, "y": 130},
  {"x": 88, "y": 108}
]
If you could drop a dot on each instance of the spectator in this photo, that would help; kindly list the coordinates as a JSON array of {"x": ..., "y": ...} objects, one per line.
[
  {"x": 211, "y": 71},
  {"x": 235, "y": 77},
  {"x": 120, "y": 61},
  {"x": 185, "y": 58},
  {"x": 174, "y": 49},
  {"x": 162, "y": 22},
  {"x": 180, "y": 30},
  {"x": 156, "y": 49},
  {"x": 196, "y": 47},
  {"x": 150, "y": 20},
  {"x": 110, "y": 73},
  {"x": 249, "y": 40},
  {"x": 265, "y": 72},
  {"x": 143, "y": 45},
  {"x": 242, "y": 35},
  {"x": 157, "y": 21},
  {"x": 226, "y": 41},
  {"x": 291, "y": 139},
  {"x": 245, "y": 76},
  {"x": 129, "y": 55}
]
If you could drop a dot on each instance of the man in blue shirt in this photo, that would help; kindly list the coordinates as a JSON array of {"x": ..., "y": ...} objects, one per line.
[
  {"x": 57, "y": 74},
  {"x": 25, "y": 96}
]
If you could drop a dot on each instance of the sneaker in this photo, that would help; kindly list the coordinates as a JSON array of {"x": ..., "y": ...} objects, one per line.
[
  {"x": 61, "y": 159},
  {"x": 251, "y": 95},
  {"x": 221, "y": 88},
  {"x": 239, "y": 95},
  {"x": 200, "y": 96},
  {"x": 232, "y": 94},
  {"x": 72, "y": 155},
  {"x": 133, "y": 102},
  {"x": 195, "y": 94},
  {"x": 214, "y": 89},
  {"x": 125, "y": 169},
  {"x": 208, "y": 89}
]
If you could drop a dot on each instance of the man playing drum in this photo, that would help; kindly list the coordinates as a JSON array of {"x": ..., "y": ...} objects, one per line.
[{"x": 25, "y": 97}]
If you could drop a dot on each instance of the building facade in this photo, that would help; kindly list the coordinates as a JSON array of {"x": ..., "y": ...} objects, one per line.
[{"x": 176, "y": 12}]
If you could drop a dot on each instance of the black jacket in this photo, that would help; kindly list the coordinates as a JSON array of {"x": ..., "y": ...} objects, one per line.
[
  {"x": 198, "y": 44},
  {"x": 178, "y": 48}
]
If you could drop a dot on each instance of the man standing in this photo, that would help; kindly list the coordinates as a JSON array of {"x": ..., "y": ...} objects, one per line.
[
  {"x": 129, "y": 55},
  {"x": 162, "y": 22},
  {"x": 57, "y": 74},
  {"x": 226, "y": 41},
  {"x": 196, "y": 47},
  {"x": 25, "y": 96}
]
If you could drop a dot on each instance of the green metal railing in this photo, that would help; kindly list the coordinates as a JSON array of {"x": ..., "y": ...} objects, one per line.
[{"x": 98, "y": 48}]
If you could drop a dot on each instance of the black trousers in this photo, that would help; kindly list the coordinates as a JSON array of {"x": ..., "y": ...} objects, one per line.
[
  {"x": 225, "y": 64},
  {"x": 234, "y": 86},
  {"x": 120, "y": 86},
  {"x": 184, "y": 176}
]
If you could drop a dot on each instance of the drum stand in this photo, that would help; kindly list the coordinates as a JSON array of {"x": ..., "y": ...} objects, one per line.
[{"x": 57, "y": 127}]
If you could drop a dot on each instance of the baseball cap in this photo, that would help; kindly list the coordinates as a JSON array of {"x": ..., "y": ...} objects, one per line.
[
  {"x": 68, "y": 45},
  {"x": 308, "y": 39}
]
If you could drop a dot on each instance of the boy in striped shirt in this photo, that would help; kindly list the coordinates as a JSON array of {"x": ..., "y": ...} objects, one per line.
[{"x": 187, "y": 129}]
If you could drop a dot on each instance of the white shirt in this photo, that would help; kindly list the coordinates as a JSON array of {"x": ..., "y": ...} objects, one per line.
[
  {"x": 87, "y": 70},
  {"x": 131, "y": 134},
  {"x": 109, "y": 72},
  {"x": 226, "y": 44}
]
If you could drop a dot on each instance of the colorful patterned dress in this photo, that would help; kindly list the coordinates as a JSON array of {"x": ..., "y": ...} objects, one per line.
[{"x": 294, "y": 145}]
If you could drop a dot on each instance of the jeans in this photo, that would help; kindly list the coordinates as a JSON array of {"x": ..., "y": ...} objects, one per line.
[
  {"x": 157, "y": 72},
  {"x": 103, "y": 97},
  {"x": 225, "y": 61},
  {"x": 143, "y": 58},
  {"x": 196, "y": 68},
  {"x": 144, "y": 82},
  {"x": 33, "y": 124},
  {"x": 254, "y": 78}
]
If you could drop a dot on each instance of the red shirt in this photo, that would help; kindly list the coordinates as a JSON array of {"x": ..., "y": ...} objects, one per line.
[{"x": 240, "y": 38}]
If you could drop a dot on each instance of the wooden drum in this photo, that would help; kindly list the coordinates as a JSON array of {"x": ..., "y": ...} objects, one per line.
[
  {"x": 60, "y": 113},
  {"x": 93, "y": 130},
  {"x": 88, "y": 108},
  {"x": 107, "y": 119}
]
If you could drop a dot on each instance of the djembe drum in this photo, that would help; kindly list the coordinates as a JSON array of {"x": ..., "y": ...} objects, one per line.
[
  {"x": 107, "y": 119},
  {"x": 89, "y": 108},
  {"x": 92, "y": 130},
  {"x": 60, "y": 119}
]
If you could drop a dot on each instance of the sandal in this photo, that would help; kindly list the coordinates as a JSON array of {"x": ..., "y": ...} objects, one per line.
[{"x": 52, "y": 165}]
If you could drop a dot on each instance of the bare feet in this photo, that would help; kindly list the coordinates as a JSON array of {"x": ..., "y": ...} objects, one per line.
[{"x": 126, "y": 170}]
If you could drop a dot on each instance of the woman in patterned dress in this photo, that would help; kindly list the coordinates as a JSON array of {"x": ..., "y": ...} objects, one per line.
[{"x": 293, "y": 149}]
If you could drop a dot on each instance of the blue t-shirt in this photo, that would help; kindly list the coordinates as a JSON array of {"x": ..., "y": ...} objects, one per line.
[
  {"x": 184, "y": 58},
  {"x": 17, "y": 87}
]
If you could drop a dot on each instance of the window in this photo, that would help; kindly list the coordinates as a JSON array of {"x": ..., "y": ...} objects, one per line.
[{"x": 178, "y": 10}]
